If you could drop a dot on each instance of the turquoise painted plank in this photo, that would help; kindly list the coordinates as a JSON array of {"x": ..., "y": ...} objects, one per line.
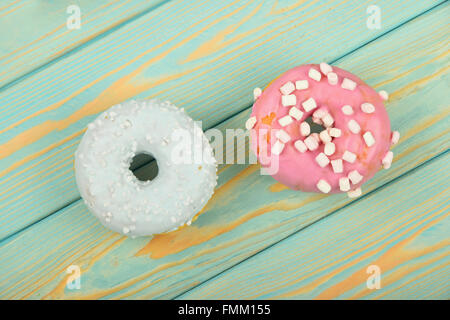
[
  {"x": 38, "y": 32},
  {"x": 185, "y": 52},
  {"x": 402, "y": 229},
  {"x": 248, "y": 212}
]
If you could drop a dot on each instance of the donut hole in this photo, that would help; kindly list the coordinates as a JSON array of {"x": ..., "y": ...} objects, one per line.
[
  {"x": 144, "y": 167},
  {"x": 315, "y": 127}
]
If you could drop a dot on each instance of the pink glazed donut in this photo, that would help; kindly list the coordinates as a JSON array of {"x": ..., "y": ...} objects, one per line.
[{"x": 352, "y": 145}]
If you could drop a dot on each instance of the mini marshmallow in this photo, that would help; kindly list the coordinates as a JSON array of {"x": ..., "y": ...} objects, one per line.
[
  {"x": 305, "y": 129},
  {"x": 349, "y": 156},
  {"x": 309, "y": 104},
  {"x": 256, "y": 93},
  {"x": 332, "y": 78},
  {"x": 329, "y": 148},
  {"x": 322, "y": 160},
  {"x": 287, "y": 88},
  {"x": 288, "y": 100},
  {"x": 384, "y": 95},
  {"x": 324, "y": 136},
  {"x": 344, "y": 184},
  {"x": 338, "y": 165},
  {"x": 335, "y": 132},
  {"x": 316, "y": 136},
  {"x": 311, "y": 143},
  {"x": 285, "y": 121},
  {"x": 354, "y": 126},
  {"x": 355, "y": 177},
  {"x": 369, "y": 139},
  {"x": 283, "y": 136},
  {"x": 325, "y": 68},
  {"x": 319, "y": 114},
  {"x": 323, "y": 186},
  {"x": 277, "y": 147},
  {"x": 347, "y": 110},
  {"x": 314, "y": 74},
  {"x": 301, "y": 84},
  {"x": 395, "y": 137},
  {"x": 387, "y": 160},
  {"x": 367, "y": 107},
  {"x": 354, "y": 193},
  {"x": 295, "y": 113},
  {"x": 317, "y": 120},
  {"x": 328, "y": 120},
  {"x": 250, "y": 123},
  {"x": 348, "y": 84},
  {"x": 300, "y": 146}
]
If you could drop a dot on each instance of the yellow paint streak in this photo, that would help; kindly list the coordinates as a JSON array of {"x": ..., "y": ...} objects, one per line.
[
  {"x": 219, "y": 42},
  {"x": 278, "y": 187}
]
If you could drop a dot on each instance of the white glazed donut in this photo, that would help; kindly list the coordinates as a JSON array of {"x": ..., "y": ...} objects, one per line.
[{"x": 114, "y": 194}]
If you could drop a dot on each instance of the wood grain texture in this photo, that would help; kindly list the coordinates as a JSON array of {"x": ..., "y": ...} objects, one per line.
[
  {"x": 402, "y": 229},
  {"x": 205, "y": 56},
  {"x": 37, "y": 31},
  {"x": 248, "y": 212}
]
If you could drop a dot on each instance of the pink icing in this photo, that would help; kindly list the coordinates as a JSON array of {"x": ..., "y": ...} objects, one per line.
[{"x": 300, "y": 171}]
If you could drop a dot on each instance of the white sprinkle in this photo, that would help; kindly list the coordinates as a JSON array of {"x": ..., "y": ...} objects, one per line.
[
  {"x": 332, "y": 78},
  {"x": 314, "y": 74},
  {"x": 395, "y": 137},
  {"x": 335, "y": 132},
  {"x": 286, "y": 120},
  {"x": 355, "y": 177},
  {"x": 301, "y": 84},
  {"x": 348, "y": 84},
  {"x": 329, "y": 148},
  {"x": 344, "y": 184},
  {"x": 322, "y": 160},
  {"x": 283, "y": 136},
  {"x": 369, "y": 139},
  {"x": 324, "y": 136},
  {"x": 347, "y": 110},
  {"x": 250, "y": 123},
  {"x": 287, "y": 88},
  {"x": 277, "y": 147},
  {"x": 328, "y": 120},
  {"x": 125, "y": 230},
  {"x": 384, "y": 95},
  {"x": 256, "y": 93},
  {"x": 295, "y": 113},
  {"x": 300, "y": 146},
  {"x": 309, "y": 104},
  {"x": 354, "y": 193},
  {"x": 338, "y": 165},
  {"x": 368, "y": 107},
  {"x": 387, "y": 160},
  {"x": 354, "y": 126},
  {"x": 311, "y": 143},
  {"x": 325, "y": 68},
  {"x": 323, "y": 186},
  {"x": 289, "y": 100},
  {"x": 126, "y": 124},
  {"x": 305, "y": 129},
  {"x": 349, "y": 156}
]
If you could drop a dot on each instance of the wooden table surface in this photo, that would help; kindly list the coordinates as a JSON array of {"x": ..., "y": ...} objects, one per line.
[{"x": 256, "y": 238}]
